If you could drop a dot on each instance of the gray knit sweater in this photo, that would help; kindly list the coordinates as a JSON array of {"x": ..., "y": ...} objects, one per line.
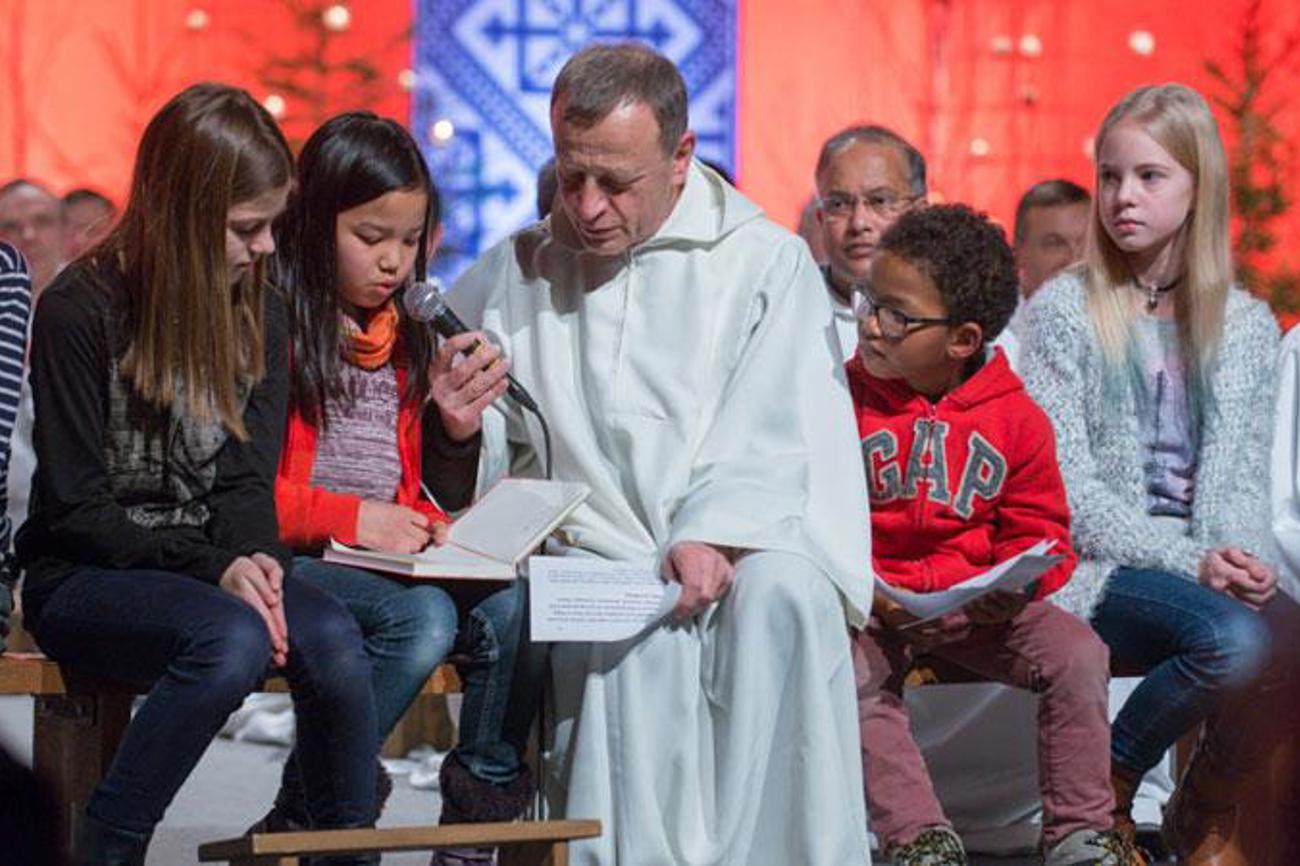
[{"x": 1097, "y": 441}]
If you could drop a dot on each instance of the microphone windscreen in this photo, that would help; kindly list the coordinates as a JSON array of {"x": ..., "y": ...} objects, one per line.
[{"x": 423, "y": 300}]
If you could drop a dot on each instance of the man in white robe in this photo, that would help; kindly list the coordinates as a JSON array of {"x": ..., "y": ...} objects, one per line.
[{"x": 679, "y": 344}]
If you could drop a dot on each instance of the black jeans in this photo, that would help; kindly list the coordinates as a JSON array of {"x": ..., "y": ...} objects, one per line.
[{"x": 200, "y": 651}]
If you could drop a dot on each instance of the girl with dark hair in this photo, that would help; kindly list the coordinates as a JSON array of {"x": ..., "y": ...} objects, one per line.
[
  {"x": 151, "y": 551},
  {"x": 365, "y": 435}
]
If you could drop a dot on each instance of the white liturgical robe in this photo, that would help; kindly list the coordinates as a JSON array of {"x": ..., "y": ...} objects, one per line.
[{"x": 695, "y": 384}]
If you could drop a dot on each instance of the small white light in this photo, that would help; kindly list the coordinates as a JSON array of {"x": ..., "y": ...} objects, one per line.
[
  {"x": 1031, "y": 45},
  {"x": 337, "y": 18},
  {"x": 197, "y": 19},
  {"x": 1090, "y": 147},
  {"x": 1142, "y": 43},
  {"x": 275, "y": 105},
  {"x": 406, "y": 79},
  {"x": 1002, "y": 44},
  {"x": 980, "y": 147},
  {"x": 442, "y": 131}
]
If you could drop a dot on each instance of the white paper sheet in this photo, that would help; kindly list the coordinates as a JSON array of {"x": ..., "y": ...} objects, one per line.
[
  {"x": 1010, "y": 575},
  {"x": 587, "y": 599}
]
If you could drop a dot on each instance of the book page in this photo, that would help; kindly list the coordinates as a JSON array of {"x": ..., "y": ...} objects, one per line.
[
  {"x": 580, "y": 598},
  {"x": 433, "y": 562},
  {"x": 1010, "y": 575},
  {"x": 515, "y": 516}
]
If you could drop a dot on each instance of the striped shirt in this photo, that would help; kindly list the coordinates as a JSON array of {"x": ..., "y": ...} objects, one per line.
[
  {"x": 357, "y": 452},
  {"x": 15, "y": 310}
]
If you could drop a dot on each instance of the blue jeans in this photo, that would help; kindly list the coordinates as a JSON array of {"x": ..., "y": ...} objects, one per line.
[
  {"x": 410, "y": 628},
  {"x": 200, "y": 651},
  {"x": 501, "y": 672},
  {"x": 1206, "y": 655}
]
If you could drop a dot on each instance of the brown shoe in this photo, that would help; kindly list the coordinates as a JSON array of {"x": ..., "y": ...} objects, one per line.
[
  {"x": 1201, "y": 825},
  {"x": 1124, "y": 782}
]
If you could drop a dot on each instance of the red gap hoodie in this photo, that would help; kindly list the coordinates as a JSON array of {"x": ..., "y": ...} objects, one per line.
[{"x": 959, "y": 485}]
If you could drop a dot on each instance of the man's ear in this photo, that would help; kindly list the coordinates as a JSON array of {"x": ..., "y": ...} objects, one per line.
[
  {"x": 682, "y": 157},
  {"x": 965, "y": 340}
]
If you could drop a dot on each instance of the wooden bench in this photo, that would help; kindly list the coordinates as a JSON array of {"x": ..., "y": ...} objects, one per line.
[
  {"x": 538, "y": 843},
  {"x": 78, "y": 721}
]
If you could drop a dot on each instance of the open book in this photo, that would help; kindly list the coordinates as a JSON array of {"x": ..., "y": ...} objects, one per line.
[
  {"x": 1010, "y": 575},
  {"x": 488, "y": 541}
]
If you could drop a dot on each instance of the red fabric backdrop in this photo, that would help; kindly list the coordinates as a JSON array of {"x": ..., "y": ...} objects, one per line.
[
  {"x": 79, "y": 78},
  {"x": 930, "y": 70}
]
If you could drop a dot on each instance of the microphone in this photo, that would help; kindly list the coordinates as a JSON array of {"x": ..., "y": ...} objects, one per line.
[{"x": 424, "y": 303}]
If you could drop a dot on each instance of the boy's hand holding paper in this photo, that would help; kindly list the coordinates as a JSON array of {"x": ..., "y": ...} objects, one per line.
[{"x": 1008, "y": 578}]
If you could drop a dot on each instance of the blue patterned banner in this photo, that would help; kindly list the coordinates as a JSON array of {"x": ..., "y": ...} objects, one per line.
[{"x": 483, "y": 78}]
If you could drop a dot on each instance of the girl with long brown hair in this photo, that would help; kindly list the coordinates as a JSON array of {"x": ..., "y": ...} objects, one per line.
[{"x": 159, "y": 379}]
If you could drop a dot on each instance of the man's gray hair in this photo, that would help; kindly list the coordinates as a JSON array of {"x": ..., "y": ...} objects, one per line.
[
  {"x": 872, "y": 134},
  {"x": 602, "y": 77}
]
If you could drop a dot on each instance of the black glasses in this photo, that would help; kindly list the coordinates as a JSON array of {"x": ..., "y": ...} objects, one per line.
[{"x": 894, "y": 324}]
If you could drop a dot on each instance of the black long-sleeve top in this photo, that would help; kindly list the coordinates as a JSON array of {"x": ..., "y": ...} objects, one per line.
[{"x": 121, "y": 485}]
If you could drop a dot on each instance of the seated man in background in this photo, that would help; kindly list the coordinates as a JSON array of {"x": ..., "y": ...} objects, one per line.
[
  {"x": 867, "y": 177},
  {"x": 1051, "y": 229},
  {"x": 31, "y": 218},
  {"x": 88, "y": 217}
]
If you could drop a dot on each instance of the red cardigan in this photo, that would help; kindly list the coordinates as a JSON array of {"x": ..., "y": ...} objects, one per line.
[{"x": 309, "y": 516}]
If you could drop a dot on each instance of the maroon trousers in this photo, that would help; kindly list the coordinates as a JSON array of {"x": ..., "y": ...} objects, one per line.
[{"x": 1043, "y": 649}]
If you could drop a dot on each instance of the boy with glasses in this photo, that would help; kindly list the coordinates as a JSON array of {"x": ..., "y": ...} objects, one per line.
[{"x": 962, "y": 473}]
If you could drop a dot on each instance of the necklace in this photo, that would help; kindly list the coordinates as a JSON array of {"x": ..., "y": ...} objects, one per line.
[{"x": 1154, "y": 292}]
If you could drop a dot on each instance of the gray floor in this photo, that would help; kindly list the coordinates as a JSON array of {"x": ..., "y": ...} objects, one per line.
[{"x": 233, "y": 786}]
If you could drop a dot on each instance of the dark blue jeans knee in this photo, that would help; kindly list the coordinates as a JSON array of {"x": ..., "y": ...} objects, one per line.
[
  {"x": 196, "y": 649},
  {"x": 1200, "y": 648},
  {"x": 329, "y": 675}
]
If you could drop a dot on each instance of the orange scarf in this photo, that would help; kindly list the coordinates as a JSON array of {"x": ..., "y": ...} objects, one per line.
[{"x": 371, "y": 348}]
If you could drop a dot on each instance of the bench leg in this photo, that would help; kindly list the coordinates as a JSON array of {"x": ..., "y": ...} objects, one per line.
[
  {"x": 74, "y": 739},
  {"x": 535, "y": 854}
]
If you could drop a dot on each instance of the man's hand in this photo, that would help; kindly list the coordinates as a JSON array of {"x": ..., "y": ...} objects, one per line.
[
  {"x": 996, "y": 607},
  {"x": 258, "y": 581},
  {"x": 462, "y": 390},
  {"x": 392, "y": 528},
  {"x": 704, "y": 572}
]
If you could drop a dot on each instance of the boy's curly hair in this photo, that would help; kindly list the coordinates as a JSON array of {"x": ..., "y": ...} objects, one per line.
[{"x": 966, "y": 256}]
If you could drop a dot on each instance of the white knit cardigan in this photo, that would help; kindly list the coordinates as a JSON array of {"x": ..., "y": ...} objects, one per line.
[{"x": 1097, "y": 441}]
